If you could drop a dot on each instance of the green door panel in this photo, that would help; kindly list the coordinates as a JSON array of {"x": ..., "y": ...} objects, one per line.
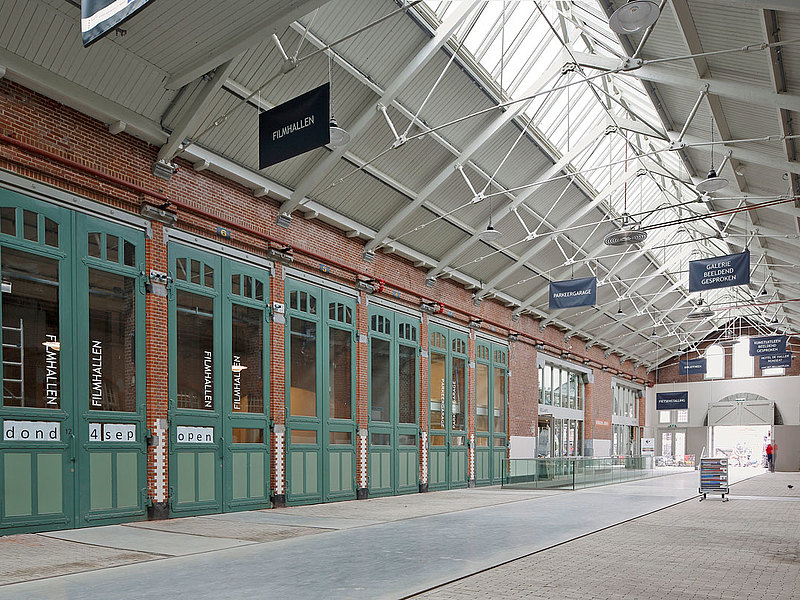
[
  {"x": 408, "y": 473},
  {"x": 186, "y": 477},
  {"x": 100, "y": 480},
  {"x": 206, "y": 477},
  {"x": 258, "y": 488},
  {"x": 127, "y": 475},
  {"x": 240, "y": 476},
  {"x": 482, "y": 466},
  {"x": 50, "y": 486},
  {"x": 18, "y": 478},
  {"x": 437, "y": 469}
]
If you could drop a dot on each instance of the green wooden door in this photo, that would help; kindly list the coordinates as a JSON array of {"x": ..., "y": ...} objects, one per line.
[
  {"x": 393, "y": 403},
  {"x": 490, "y": 411},
  {"x": 72, "y": 450},
  {"x": 320, "y": 394},
  {"x": 447, "y": 438},
  {"x": 219, "y": 439},
  {"x": 111, "y": 433}
]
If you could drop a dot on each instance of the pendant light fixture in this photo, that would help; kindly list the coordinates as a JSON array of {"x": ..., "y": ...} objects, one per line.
[
  {"x": 712, "y": 183},
  {"x": 620, "y": 313},
  {"x": 490, "y": 234},
  {"x": 701, "y": 311},
  {"x": 339, "y": 136},
  {"x": 633, "y": 16},
  {"x": 630, "y": 231}
]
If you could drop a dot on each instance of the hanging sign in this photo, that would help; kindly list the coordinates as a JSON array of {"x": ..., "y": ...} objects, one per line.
[
  {"x": 670, "y": 400},
  {"x": 768, "y": 361},
  {"x": 769, "y": 344},
  {"x": 719, "y": 272},
  {"x": 98, "y": 17},
  {"x": 692, "y": 366},
  {"x": 573, "y": 292},
  {"x": 294, "y": 127}
]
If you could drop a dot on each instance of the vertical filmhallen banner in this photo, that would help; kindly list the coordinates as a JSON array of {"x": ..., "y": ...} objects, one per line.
[{"x": 719, "y": 272}]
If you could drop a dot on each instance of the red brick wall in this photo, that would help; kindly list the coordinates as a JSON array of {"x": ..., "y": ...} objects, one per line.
[{"x": 203, "y": 200}]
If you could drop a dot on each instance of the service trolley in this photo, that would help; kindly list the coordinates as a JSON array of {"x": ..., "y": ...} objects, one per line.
[{"x": 714, "y": 477}]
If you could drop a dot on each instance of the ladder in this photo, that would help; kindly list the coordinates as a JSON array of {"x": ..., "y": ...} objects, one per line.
[{"x": 13, "y": 365}]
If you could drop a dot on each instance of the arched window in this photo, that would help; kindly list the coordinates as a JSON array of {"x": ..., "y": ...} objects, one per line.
[
  {"x": 715, "y": 362},
  {"x": 742, "y": 361}
]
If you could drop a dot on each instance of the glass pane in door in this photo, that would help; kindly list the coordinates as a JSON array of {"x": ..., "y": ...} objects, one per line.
[
  {"x": 340, "y": 376},
  {"x": 379, "y": 380},
  {"x": 666, "y": 444},
  {"x": 499, "y": 400},
  {"x": 303, "y": 365},
  {"x": 195, "y": 347},
  {"x": 247, "y": 346},
  {"x": 31, "y": 336},
  {"x": 459, "y": 394},
  {"x": 112, "y": 342},
  {"x": 482, "y": 398},
  {"x": 680, "y": 443},
  {"x": 407, "y": 381},
  {"x": 438, "y": 391}
]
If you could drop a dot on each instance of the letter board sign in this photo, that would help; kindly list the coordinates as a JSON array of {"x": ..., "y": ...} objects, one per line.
[
  {"x": 692, "y": 366},
  {"x": 768, "y": 344},
  {"x": 670, "y": 400},
  {"x": 768, "y": 361},
  {"x": 294, "y": 127},
  {"x": 573, "y": 292},
  {"x": 719, "y": 272}
]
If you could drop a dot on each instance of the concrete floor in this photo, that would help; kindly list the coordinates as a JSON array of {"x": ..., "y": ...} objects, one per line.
[{"x": 617, "y": 541}]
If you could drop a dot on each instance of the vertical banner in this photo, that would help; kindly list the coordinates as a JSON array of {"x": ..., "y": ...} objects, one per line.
[
  {"x": 294, "y": 127},
  {"x": 98, "y": 17},
  {"x": 719, "y": 272},
  {"x": 768, "y": 361},
  {"x": 768, "y": 344},
  {"x": 670, "y": 400},
  {"x": 573, "y": 292},
  {"x": 692, "y": 366}
]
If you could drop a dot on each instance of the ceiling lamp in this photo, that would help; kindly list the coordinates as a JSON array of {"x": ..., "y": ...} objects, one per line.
[
  {"x": 701, "y": 311},
  {"x": 654, "y": 335},
  {"x": 713, "y": 183},
  {"x": 629, "y": 233},
  {"x": 339, "y": 136},
  {"x": 633, "y": 16},
  {"x": 620, "y": 313},
  {"x": 490, "y": 234}
]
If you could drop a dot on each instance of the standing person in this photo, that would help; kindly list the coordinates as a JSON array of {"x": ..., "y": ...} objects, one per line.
[{"x": 770, "y": 457}]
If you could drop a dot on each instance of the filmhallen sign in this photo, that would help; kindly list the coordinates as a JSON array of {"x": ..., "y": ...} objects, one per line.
[
  {"x": 573, "y": 292},
  {"x": 769, "y": 344},
  {"x": 719, "y": 272},
  {"x": 294, "y": 127}
]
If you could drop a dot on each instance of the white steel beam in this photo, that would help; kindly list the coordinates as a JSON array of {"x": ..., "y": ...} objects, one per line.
[{"x": 425, "y": 55}]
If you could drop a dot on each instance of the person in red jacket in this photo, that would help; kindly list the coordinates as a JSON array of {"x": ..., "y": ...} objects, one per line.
[{"x": 771, "y": 457}]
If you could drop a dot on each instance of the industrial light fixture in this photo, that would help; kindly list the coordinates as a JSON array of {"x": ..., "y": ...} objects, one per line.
[
  {"x": 490, "y": 234},
  {"x": 620, "y": 313},
  {"x": 701, "y": 311},
  {"x": 654, "y": 335},
  {"x": 628, "y": 233},
  {"x": 475, "y": 323},
  {"x": 163, "y": 169},
  {"x": 282, "y": 255},
  {"x": 339, "y": 136},
  {"x": 432, "y": 308},
  {"x": 633, "y": 16},
  {"x": 712, "y": 183}
]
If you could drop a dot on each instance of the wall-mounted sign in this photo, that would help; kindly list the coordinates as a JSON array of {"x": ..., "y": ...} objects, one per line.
[
  {"x": 31, "y": 431},
  {"x": 768, "y": 344},
  {"x": 692, "y": 366},
  {"x": 648, "y": 446},
  {"x": 223, "y": 232},
  {"x": 573, "y": 292},
  {"x": 768, "y": 361},
  {"x": 670, "y": 400},
  {"x": 98, "y": 17},
  {"x": 719, "y": 272},
  {"x": 194, "y": 435},
  {"x": 294, "y": 127},
  {"x": 112, "y": 432}
]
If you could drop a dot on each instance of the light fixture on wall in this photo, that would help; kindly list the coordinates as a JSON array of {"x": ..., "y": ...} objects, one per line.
[
  {"x": 712, "y": 183},
  {"x": 633, "y": 16}
]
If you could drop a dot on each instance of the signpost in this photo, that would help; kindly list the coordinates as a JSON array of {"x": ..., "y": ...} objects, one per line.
[{"x": 714, "y": 477}]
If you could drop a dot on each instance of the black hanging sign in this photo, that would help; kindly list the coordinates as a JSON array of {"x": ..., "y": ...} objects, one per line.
[
  {"x": 692, "y": 366},
  {"x": 767, "y": 361},
  {"x": 98, "y": 17},
  {"x": 670, "y": 400},
  {"x": 768, "y": 344},
  {"x": 719, "y": 272},
  {"x": 294, "y": 127},
  {"x": 573, "y": 292}
]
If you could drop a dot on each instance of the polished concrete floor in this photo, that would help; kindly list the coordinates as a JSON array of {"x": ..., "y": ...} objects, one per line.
[{"x": 647, "y": 539}]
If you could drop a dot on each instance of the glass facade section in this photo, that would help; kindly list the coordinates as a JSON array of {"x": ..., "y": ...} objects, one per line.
[
  {"x": 112, "y": 341},
  {"x": 482, "y": 399},
  {"x": 31, "y": 333},
  {"x": 303, "y": 367},
  {"x": 499, "y": 400},
  {"x": 380, "y": 381},
  {"x": 459, "y": 394},
  {"x": 247, "y": 368},
  {"x": 407, "y": 384},
  {"x": 438, "y": 392},
  {"x": 341, "y": 374},
  {"x": 195, "y": 351}
]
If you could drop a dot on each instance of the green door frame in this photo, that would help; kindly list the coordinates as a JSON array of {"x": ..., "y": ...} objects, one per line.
[
  {"x": 447, "y": 441},
  {"x": 75, "y": 481},
  {"x": 320, "y": 447},
  {"x": 491, "y": 440},
  {"x": 393, "y": 445},
  {"x": 212, "y": 467}
]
